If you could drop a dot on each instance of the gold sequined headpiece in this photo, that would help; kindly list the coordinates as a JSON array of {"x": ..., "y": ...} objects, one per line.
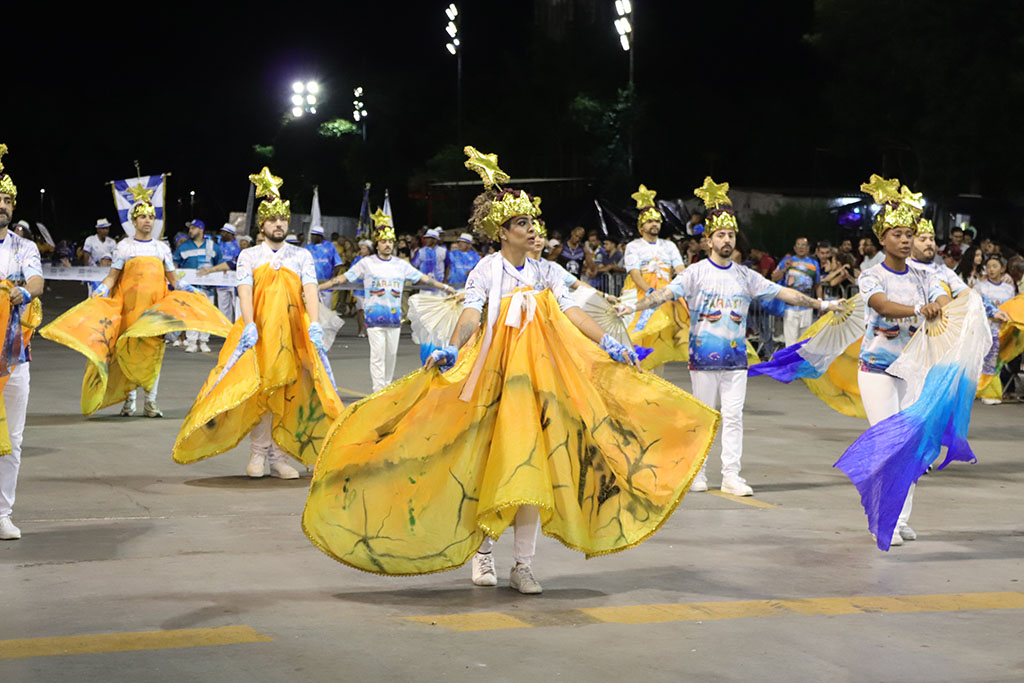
[
  {"x": 716, "y": 197},
  {"x": 540, "y": 226},
  {"x": 269, "y": 185},
  {"x": 509, "y": 203},
  {"x": 900, "y": 208},
  {"x": 6, "y": 184},
  {"x": 925, "y": 227},
  {"x": 143, "y": 205},
  {"x": 644, "y": 199},
  {"x": 382, "y": 222}
]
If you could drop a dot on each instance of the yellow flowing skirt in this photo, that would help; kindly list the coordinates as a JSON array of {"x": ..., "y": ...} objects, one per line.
[
  {"x": 1011, "y": 345},
  {"x": 281, "y": 374},
  {"x": 412, "y": 478},
  {"x": 13, "y": 342},
  {"x": 121, "y": 336},
  {"x": 667, "y": 331}
]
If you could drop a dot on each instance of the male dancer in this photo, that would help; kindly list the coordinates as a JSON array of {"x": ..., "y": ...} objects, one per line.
[
  {"x": 384, "y": 277},
  {"x": 20, "y": 266},
  {"x": 922, "y": 257},
  {"x": 718, "y": 292}
]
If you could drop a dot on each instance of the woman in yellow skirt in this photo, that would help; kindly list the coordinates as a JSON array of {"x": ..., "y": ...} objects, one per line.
[{"x": 532, "y": 423}]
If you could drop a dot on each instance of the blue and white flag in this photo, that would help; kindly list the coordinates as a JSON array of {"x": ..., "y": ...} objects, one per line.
[{"x": 124, "y": 200}]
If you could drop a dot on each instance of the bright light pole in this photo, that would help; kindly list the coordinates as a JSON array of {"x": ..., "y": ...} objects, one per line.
[
  {"x": 624, "y": 27},
  {"x": 359, "y": 112},
  {"x": 305, "y": 97},
  {"x": 42, "y": 199},
  {"x": 454, "y": 46}
]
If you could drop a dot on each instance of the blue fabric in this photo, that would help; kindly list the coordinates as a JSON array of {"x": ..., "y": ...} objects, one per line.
[
  {"x": 188, "y": 255},
  {"x": 325, "y": 259},
  {"x": 785, "y": 365},
  {"x": 459, "y": 265},
  {"x": 776, "y": 307},
  {"x": 229, "y": 253},
  {"x": 642, "y": 351},
  {"x": 893, "y": 454}
]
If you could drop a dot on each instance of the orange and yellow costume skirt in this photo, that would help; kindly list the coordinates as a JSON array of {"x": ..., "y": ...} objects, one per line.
[
  {"x": 1008, "y": 345},
  {"x": 667, "y": 331},
  {"x": 17, "y": 324},
  {"x": 411, "y": 479},
  {"x": 121, "y": 336},
  {"x": 282, "y": 374}
]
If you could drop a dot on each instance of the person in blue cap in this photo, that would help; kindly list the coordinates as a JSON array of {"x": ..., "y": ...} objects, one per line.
[
  {"x": 326, "y": 260},
  {"x": 198, "y": 251}
]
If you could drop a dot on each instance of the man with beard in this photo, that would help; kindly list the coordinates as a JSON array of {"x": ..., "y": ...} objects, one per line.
[
  {"x": 719, "y": 292},
  {"x": 922, "y": 257},
  {"x": 20, "y": 266}
]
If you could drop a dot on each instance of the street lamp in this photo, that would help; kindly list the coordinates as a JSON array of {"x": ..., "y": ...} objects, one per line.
[
  {"x": 305, "y": 97},
  {"x": 359, "y": 112},
  {"x": 454, "y": 47},
  {"x": 42, "y": 198},
  {"x": 624, "y": 23}
]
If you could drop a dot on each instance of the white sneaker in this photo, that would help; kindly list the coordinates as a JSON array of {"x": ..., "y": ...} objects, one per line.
[
  {"x": 177, "y": 341},
  {"x": 280, "y": 468},
  {"x": 991, "y": 401},
  {"x": 8, "y": 532},
  {"x": 150, "y": 410},
  {"x": 896, "y": 539},
  {"x": 128, "y": 407},
  {"x": 257, "y": 465},
  {"x": 483, "y": 570},
  {"x": 204, "y": 347},
  {"x": 521, "y": 579},
  {"x": 735, "y": 484},
  {"x": 191, "y": 348},
  {"x": 906, "y": 533},
  {"x": 700, "y": 482}
]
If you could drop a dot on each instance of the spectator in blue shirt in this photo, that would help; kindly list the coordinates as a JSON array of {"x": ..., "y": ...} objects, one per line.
[
  {"x": 461, "y": 259},
  {"x": 326, "y": 261},
  {"x": 801, "y": 272},
  {"x": 198, "y": 251}
]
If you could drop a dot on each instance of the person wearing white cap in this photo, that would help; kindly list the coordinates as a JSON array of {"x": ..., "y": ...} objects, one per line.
[
  {"x": 326, "y": 260},
  {"x": 292, "y": 238},
  {"x": 461, "y": 259},
  {"x": 98, "y": 249},
  {"x": 225, "y": 261},
  {"x": 430, "y": 258},
  {"x": 22, "y": 229}
]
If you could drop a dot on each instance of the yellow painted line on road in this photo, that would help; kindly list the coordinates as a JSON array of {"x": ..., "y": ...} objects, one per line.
[
  {"x": 24, "y": 648},
  {"x": 716, "y": 611},
  {"x": 746, "y": 500},
  {"x": 342, "y": 391}
]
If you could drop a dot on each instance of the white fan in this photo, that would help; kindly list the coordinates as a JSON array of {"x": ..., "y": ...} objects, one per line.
[
  {"x": 603, "y": 313},
  {"x": 843, "y": 328},
  {"x": 433, "y": 318},
  {"x": 332, "y": 323},
  {"x": 960, "y": 335}
]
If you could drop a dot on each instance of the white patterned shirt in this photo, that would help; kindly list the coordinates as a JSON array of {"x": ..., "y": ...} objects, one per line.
[
  {"x": 652, "y": 257},
  {"x": 19, "y": 259},
  {"x": 99, "y": 250},
  {"x": 533, "y": 274},
  {"x": 885, "y": 338},
  {"x": 295, "y": 259},
  {"x": 130, "y": 248}
]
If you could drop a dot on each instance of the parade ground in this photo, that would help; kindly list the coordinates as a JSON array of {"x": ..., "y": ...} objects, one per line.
[{"x": 134, "y": 568}]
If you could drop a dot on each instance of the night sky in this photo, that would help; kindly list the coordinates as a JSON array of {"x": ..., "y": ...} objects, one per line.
[{"x": 737, "y": 89}]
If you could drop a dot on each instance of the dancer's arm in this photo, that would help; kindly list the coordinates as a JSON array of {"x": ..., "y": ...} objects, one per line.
[
  {"x": 311, "y": 295},
  {"x": 891, "y": 309},
  {"x": 795, "y": 298},
  {"x": 638, "y": 279},
  {"x": 465, "y": 328},
  {"x": 245, "y": 302}
]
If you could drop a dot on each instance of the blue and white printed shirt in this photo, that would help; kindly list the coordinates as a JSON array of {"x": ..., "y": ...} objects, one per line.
[
  {"x": 885, "y": 338},
  {"x": 325, "y": 259},
  {"x": 383, "y": 282},
  {"x": 661, "y": 257}
]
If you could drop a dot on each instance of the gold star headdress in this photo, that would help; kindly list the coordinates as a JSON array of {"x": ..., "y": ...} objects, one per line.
[
  {"x": 269, "y": 185},
  {"x": 143, "y": 199},
  {"x": 540, "y": 226},
  {"x": 716, "y": 197},
  {"x": 925, "y": 227},
  {"x": 6, "y": 183},
  {"x": 901, "y": 208},
  {"x": 385, "y": 230},
  {"x": 509, "y": 203},
  {"x": 644, "y": 199}
]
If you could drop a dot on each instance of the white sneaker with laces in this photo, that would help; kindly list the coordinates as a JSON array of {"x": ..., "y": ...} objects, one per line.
[
  {"x": 191, "y": 348},
  {"x": 700, "y": 482},
  {"x": 991, "y": 401},
  {"x": 204, "y": 347},
  {"x": 8, "y": 532},
  {"x": 150, "y": 410},
  {"x": 735, "y": 485},
  {"x": 483, "y": 570},
  {"x": 280, "y": 467},
  {"x": 521, "y": 579},
  {"x": 906, "y": 533},
  {"x": 257, "y": 465},
  {"x": 128, "y": 407}
]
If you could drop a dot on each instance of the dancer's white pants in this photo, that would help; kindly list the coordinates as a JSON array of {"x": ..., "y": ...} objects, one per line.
[
  {"x": 16, "y": 402},
  {"x": 383, "y": 351},
  {"x": 261, "y": 438},
  {"x": 883, "y": 396},
  {"x": 227, "y": 302},
  {"x": 729, "y": 389},
  {"x": 527, "y": 527},
  {"x": 150, "y": 395},
  {"x": 794, "y": 323}
]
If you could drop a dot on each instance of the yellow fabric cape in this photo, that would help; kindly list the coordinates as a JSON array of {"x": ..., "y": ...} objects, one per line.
[
  {"x": 121, "y": 336},
  {"x": 837, "y": 387},
  {"x": 1011, "y": 345},
  {"x": 282, "y": 374},
  {"x": 412, "y": 478},
  {"x": 667, "y": 331},
  {"x": 31, "y": 316}
]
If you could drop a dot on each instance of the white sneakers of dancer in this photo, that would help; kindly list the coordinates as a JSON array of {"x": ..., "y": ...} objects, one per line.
[
  {"x": 150, "y": 410},
  {"x": 991, "y": 401},
  {"x": 906, "y": 533},
  {"x": 700, "y": 482},
  {"x": 128, "y": 408},
  {"x": 521, "y": 579},
  {"x": 190, "y": 347},
  {"x": 281, "y": 468},
  {"x": 735, "y": 484},
  {"x": 257, "y": 466},
  {"x": 204, "y": 347},
  {"x": 483, "y": 570},
  {"x": 8, "y": 532}
]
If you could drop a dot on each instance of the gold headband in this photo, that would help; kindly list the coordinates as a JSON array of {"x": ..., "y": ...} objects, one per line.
[
  {"x": 715, "y": 196},
  {"x": 540, "y": 227},
  {"x": 269, "y": 185},
  {"x": 6, "y": 183},
  {"x": 925, "y": 227},
  {"x": 386, "y": 233},
  {"x": 510, "y": 203},
  {"x": 900, "y": 209}
]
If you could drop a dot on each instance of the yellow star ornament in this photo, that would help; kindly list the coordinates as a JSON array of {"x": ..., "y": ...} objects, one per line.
[
  {"x": 3, "y": 151},
  {"x": 140, "y": 194},
  {"x": 487, "y": 166},
  {"x": 380, "y": 218},
  {"x": 714, "y": 194},
  {"x": 882, "y": 190},
  {"x": 913, "y": 199},
  {"x": 267, "y": 184},
  {"x": 643, "y": 197}
]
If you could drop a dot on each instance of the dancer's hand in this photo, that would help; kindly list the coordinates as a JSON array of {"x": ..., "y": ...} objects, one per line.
[
  {"x": 618, "y": 351},
  {"x": 250, "y": 335},
  {"x": 1000, "y": 316},
  {"x": 444, "y": 358},
  {"x": 316, "y": 335},
  {"x": 101, "y": 290},
  {"x": 184, "y": 287},
  {"x": 20, "y": 295},
  {"x": 613, "y": 300},
  {"x": 931, "y": 311},
  {"x": 836, "y": 305},
  {"x": 622, "y": 310}
]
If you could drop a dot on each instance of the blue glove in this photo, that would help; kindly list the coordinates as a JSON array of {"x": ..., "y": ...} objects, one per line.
[
  {"x": 445, "y": 358},
  {"x": 101, "y": 290},
  {"x": 250, "y": 335},
  {"x": 25, "y": 296},
  {"x": 316, "y": 335},
  {"x": 184, "y": 287},
  {"x": 617, "y": 351}
]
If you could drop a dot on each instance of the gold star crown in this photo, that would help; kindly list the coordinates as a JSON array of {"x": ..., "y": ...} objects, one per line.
[
  {"x": 143, "y": 199},
  {"x": 382, "y": 222},
  {"x": 269, "y": 185},
  {"x": 716, "y": 197},
  {"x": 644, "y": 199},
  {"x": 7, "y": 185},
  {"x": 900, "y": 208},
  {"x": 509, "y": 203},
  {"x": 925, "y": 227}
]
